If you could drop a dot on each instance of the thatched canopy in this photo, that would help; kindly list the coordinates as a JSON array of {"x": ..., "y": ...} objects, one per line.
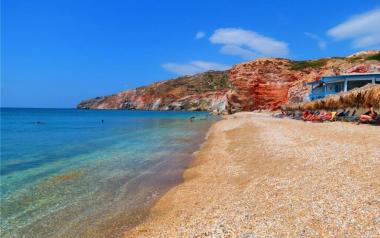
[{"x": 356, "y": 98}]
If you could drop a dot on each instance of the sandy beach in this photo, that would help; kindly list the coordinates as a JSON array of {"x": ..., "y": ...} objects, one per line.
[{"x": 257, "y": 176}]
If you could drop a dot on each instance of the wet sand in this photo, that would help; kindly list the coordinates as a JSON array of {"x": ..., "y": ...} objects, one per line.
[{"x": 257, "y": 176}]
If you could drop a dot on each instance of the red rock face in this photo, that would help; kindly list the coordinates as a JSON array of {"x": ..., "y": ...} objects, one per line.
[
  {"x": 260, "y": 84},
  {"x": 362, "y": 68},
  {"x": 265, "y": 83},
  {"x": 268, "y": 83}
]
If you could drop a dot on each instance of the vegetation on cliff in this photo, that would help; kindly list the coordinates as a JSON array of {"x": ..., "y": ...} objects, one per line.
[
  {"x": 373, "y": 57},
  {"x": 202, "y": 91},
  {"x": 264, "y": 83},
  {"x": 304, "y": 64}
]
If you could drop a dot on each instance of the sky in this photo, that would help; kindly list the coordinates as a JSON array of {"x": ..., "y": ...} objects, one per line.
[{"x": 55, "y": 53}]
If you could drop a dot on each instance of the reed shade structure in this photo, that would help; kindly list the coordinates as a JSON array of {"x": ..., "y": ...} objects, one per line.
[{"x": 356, "y": 98}]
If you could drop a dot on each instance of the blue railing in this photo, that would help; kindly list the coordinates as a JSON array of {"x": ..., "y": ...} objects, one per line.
[{"x": 315, "y": 96}]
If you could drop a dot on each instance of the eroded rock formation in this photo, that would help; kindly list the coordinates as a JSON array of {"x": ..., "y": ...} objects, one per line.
[
  {"x": 265, "y": 83},
  {"x": 260, "y": 84},
  {"x": 268, "y": 83},
  {"x": 200, "y": 92}
]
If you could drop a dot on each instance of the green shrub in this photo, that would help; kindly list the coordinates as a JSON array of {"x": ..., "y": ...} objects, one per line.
[
  {"x": 354, "y": 59},
  {"x": 223, "y": 82},
  {"x": 374, "y": 57},
  {"x": 338, "y": 57},
  {"x": 304, "y": 64}
]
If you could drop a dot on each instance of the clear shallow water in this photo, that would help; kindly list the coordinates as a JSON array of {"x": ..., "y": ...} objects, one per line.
[{"x": 66, "y": 174}]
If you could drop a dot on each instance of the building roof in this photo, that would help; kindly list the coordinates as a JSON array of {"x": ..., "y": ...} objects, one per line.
[{"x": 341, "y": 77}]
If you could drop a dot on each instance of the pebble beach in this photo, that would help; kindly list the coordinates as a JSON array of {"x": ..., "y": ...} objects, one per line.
[{"x": 258, "y": 176}]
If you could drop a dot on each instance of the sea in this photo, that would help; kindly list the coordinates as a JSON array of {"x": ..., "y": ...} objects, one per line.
[{"x": 90, "y": 173}]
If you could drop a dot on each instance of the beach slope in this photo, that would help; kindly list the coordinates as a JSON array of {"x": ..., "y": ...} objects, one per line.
[{"x": 258, "y": 176}]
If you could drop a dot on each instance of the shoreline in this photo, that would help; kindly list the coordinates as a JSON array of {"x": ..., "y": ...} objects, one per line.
[
  {"x": 107, "y": 184},
  {"x": 256, "y": 175}
]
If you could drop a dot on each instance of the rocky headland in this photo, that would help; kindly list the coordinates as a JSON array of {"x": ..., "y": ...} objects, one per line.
[{"x": 264, "y": 83}]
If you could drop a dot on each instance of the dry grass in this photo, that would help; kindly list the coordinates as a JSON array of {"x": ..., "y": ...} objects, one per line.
[{"x": 356, "y": 98}]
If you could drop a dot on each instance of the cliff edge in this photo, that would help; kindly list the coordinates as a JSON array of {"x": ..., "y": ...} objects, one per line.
[{"x": 264, "y": 83}]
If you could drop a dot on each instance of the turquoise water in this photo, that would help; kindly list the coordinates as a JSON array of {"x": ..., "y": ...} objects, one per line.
[{"x": 64, "y": 173}]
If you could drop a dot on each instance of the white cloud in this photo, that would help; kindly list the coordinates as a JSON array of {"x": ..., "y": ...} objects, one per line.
[
  {"x": 238, "y": 51},
  {"x": 363, "y": 29},
  {"x": 321, "y": 43},
  {"x": 193, "y": 67},
  {"x": 250, "y": 41},
  {"x": 200, "y": 35}
]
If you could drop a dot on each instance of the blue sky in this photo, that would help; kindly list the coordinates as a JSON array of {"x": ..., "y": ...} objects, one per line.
[{"x": 54, "y": 53}]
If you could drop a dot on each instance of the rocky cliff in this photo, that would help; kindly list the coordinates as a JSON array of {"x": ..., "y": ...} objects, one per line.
[
  {"x": 268, "y": 83},
  {"x": 265, "y": 83},
  {"x": 200, "y": 92}
]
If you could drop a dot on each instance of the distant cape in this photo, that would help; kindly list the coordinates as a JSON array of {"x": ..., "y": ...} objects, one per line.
[{"x": 264, "y": 83}]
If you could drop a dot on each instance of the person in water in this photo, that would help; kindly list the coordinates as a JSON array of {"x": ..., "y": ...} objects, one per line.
[{"x": 368, "y": 116}]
